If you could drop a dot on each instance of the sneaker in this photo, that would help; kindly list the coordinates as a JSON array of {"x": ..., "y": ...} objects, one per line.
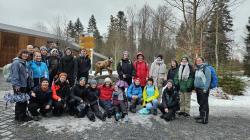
[
  {"x": 197, "y": 118},
  {"x": 155, "y": 112},
  {"x": 117, "y": 116}
]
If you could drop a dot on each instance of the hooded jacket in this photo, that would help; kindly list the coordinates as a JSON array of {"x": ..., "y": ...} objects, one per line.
[
  {"x": 60, "y": 90},
  {"x": 158, "y": 69},
  {"x": 149, "y": 96},
  {"x": 39, "y": 69},
  {"x": 142, "y": 71},
  {"x": 125, "y": 66},
  {"x": 170, "y": 98},
  {"x": 134, "y": 90},
  {"x": 20, "y": 74},
  {"x": 202, "y": 78}
]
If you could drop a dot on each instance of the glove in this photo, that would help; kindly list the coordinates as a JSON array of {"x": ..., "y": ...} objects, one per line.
[{"x": 204, "y": 91}]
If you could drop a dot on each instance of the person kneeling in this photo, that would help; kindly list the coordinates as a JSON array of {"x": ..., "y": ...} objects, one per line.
[
  {"x": 134, "y": 94},
  {"x": 150, "y": 95},
  {"x": 92, "y": 99},
  {"x": 170, "y": 102},
  {"x": 60, "y": 94},
  {"x": 40, "y": 99},
  {"x": 120, "y": 104}
]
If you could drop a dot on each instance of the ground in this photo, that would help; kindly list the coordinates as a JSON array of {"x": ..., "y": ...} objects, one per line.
[{"x": 229, "y": 119}]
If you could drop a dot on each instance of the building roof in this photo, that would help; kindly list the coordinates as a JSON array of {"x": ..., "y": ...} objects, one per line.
[{"x": 26, "y": 31}]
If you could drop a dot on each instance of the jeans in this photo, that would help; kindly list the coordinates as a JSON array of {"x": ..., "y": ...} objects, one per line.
[{"x": 152, "y": 105}]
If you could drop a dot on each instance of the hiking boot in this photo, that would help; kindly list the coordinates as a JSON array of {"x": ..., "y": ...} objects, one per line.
[
  {"x": 117, "y": 116},
  {"x": 181, "y": 113},
  {"x": 197, "y": 118},
  {"x": 201, "y": 121},
  {"x": 36, "y": 118},
  {"x": 155, "y": 112},
  {"x": 186, "y": 115},
  {"x": 132, "y": 110},
  {"x": 25, "y": 119}
]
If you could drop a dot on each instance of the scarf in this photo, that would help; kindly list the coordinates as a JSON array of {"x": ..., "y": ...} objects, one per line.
[
  {"x": 184, "y": 72},
  {"x": 158, "y": 68}
]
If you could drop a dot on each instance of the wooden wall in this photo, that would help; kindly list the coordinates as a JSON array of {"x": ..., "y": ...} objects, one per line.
[{"x": 11, "y": 43}]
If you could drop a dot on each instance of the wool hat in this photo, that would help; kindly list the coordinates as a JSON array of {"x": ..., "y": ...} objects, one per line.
[
  {"x": 93, "y": 82},
  {"x": 43, "y": 48},
  {"x": 62, "y": 74},
  {"x": 107, "y": 80},
  {"x": 82, "y": 78}
]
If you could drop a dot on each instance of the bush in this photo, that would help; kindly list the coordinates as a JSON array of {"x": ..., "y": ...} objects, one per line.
[{"x": 232, "y": 85}]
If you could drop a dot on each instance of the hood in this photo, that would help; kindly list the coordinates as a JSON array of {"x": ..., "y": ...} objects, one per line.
[{"x": 17, "y": 59}]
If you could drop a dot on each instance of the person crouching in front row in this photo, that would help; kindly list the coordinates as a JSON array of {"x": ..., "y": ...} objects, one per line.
[
  {"x": 170, "y": 102},
  {"x": 60, "y": 94},
  {"x": 40, "y": 99}
]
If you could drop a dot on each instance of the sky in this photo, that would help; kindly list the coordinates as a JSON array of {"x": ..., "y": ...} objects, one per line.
[{"x": 27, "y": 13}]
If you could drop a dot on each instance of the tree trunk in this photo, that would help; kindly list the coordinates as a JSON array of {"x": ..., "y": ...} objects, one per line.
[{"x": 217, "y": 40}]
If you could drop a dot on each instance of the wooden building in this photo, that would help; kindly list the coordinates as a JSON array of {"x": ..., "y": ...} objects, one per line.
[{"x": 13, "y": 38}]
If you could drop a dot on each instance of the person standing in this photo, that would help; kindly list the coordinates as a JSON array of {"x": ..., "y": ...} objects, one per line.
[
  {"x": 184, "y": 80},
  {"x": 44, "y": 52},
  {"x": 21, "y": 83},
  {"x": 53, "y": 64},
  {"x": 202, "y": 83},
  {"x": 158, "y": 72},
  {"x": 125, "y": 68},
  {"x": 83, "y": 65},
  {"x": 68, "y": 65},
  {"x": 173, "y": 70},
  {"x": 39, "y": 69},
  {"x": 30, "y": 49},
  {"x": 141, "y": 69}
]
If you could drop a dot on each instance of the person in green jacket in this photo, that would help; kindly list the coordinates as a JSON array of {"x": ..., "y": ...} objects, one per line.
[{"x": 184, "y": 79}]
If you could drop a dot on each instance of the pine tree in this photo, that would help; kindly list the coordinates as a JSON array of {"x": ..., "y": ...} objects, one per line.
[
  {"x": 221, "y": 17},
  {"x": 70, "y": 30},
  {"x": 247, "y": 56},
  {"x": 78, "y": 29}
]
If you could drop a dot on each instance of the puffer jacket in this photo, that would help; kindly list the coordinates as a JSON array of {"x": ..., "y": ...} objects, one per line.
[
  {"x": 105, "y": 93},
  {"x": 148, "y": 96},
  {"x": 142, "y": 71},
  {"x": 39, "y": 69},
  {"x": 134, "y": 90}
]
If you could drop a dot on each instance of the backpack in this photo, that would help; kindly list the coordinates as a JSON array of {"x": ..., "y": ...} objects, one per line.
[
  {"x": 7, "y": 72},
  {"x": 214, "y": 77}
]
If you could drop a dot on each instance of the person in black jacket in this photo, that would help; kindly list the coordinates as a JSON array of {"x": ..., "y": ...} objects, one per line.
[
  {"x": 53, "y": 64},
  {"x": 44, "y": 52},
  {"x": 125, "y": 68},
  {"x": 68, "y": 65},
  {"x": 77, "y": 98},
  {"x": 40, "y": 99},
  {"x": 91, "y": 98},
  {"x": 83, "y": 65},
  {"x": 173, "y": 70},
  {"x": 170, "y": 102}
]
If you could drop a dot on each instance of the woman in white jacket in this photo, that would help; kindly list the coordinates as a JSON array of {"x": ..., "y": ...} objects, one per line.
[{"x": 158, "y": 72}]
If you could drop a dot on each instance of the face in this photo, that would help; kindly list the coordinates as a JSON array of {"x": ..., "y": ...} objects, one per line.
[
  {"x": 25, "y": 56},
  {"x": 150, "y": 83},
  {"x": 84, "y": 52},
  {"x": 93, "y": 85},
  {"x": 173, "y": 64},
  {"x": 140, "y": 57},
  {"x": 36, "y": 49},
  {"x": 184, "y": 61},
  {"x": 107, "y": 84},
  {"x": 63, "y": 78},
  {"x": 68, "y": 52},
  {"x": 82, "y": 82},
  {"x": 45, "y": 85},
  {"x": 137, "y": 82},
  {"x": 159, "y": 59},
  {"x": 199, "y": 61},
  {"x": 44, "y": 52},
  {"x": 169, "y": 85},
  {"x": 125, "y": 55},
  {"x": 116, "y": 88},
  {"x": 37, "y": 56},
  {"x": 30, "y": 48}
]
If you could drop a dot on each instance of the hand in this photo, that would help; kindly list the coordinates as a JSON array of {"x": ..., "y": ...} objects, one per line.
[
  {"x": 47, "y": 106},
  {"x": 166, "y": 110},
  {"x": 59, "y": 100},
  {"x": 33, "y": 94},
  {"x": 81, "y": 101},
  {"x": 134, "y": 97},
  {"x": 124, "y": 76}
]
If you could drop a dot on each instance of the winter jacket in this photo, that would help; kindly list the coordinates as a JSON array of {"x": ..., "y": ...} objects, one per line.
[
  {"x": 92, "y": 96},
  {"x": 60, "y": 90},
  {"x": 170, "y": 98},
  {"x": 171, "y": 73},
  {"x": 45, "y": 59},
  {"x": 125, "y": 67},
  {"x": 20, "y": 74},
  {"x": 53, "y": 64},
  {"x": 77, "y": 92},
  {"x": 185, "y": 85},
  {"x": 68, "y": 65},
  {"x": 116, "y": 99},
  {"x": 142, "y": 71},
  {"x": 42, "y": 97},
  {"x": 39, "y": 69},
  {"x": 105, "y": 93},
  {"x": 134, "y": 90},
  {"x": 83, "y": 65},
  {"x": 202, "y": 77},
  {"x": 158, "y": 70},
  {"x": 149, "y": 94}
]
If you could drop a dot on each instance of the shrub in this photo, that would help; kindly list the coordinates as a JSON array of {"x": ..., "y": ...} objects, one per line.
[{"x": 232, "y": 85}]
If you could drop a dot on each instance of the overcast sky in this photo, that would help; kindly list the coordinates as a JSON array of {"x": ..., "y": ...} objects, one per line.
[{"x": 26, "y": 13}]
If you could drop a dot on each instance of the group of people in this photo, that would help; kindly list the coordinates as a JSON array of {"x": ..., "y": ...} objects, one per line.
[{"x": 58, "y": 82}]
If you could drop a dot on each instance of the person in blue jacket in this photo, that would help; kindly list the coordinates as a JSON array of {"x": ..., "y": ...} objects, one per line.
[
  {"x": 39, "y": 69},
  {"x": 202, "y": 83},
  {"x": 134, "y": 94}
]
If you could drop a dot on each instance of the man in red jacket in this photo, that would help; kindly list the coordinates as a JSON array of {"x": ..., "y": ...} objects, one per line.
[
  {"x": 141, "y": 68},
  {"x": 105, "y": 97}
]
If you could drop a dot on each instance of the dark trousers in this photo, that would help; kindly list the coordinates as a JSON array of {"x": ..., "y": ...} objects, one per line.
[
  {"x": 202, "y": 99},
  {"x": 94, "y": 110},
  {"x": 134, "y": 102},
  {"x": 107, "y": 106},
  {"x": 58, "y": 108},
  {"x": 86, "y": 75},
  {"x": 20, "y": 107},
  {"x": 171, "y": 112},
  {"x": 33, "y": 108},
  {"x": 121, "y": 108}
]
